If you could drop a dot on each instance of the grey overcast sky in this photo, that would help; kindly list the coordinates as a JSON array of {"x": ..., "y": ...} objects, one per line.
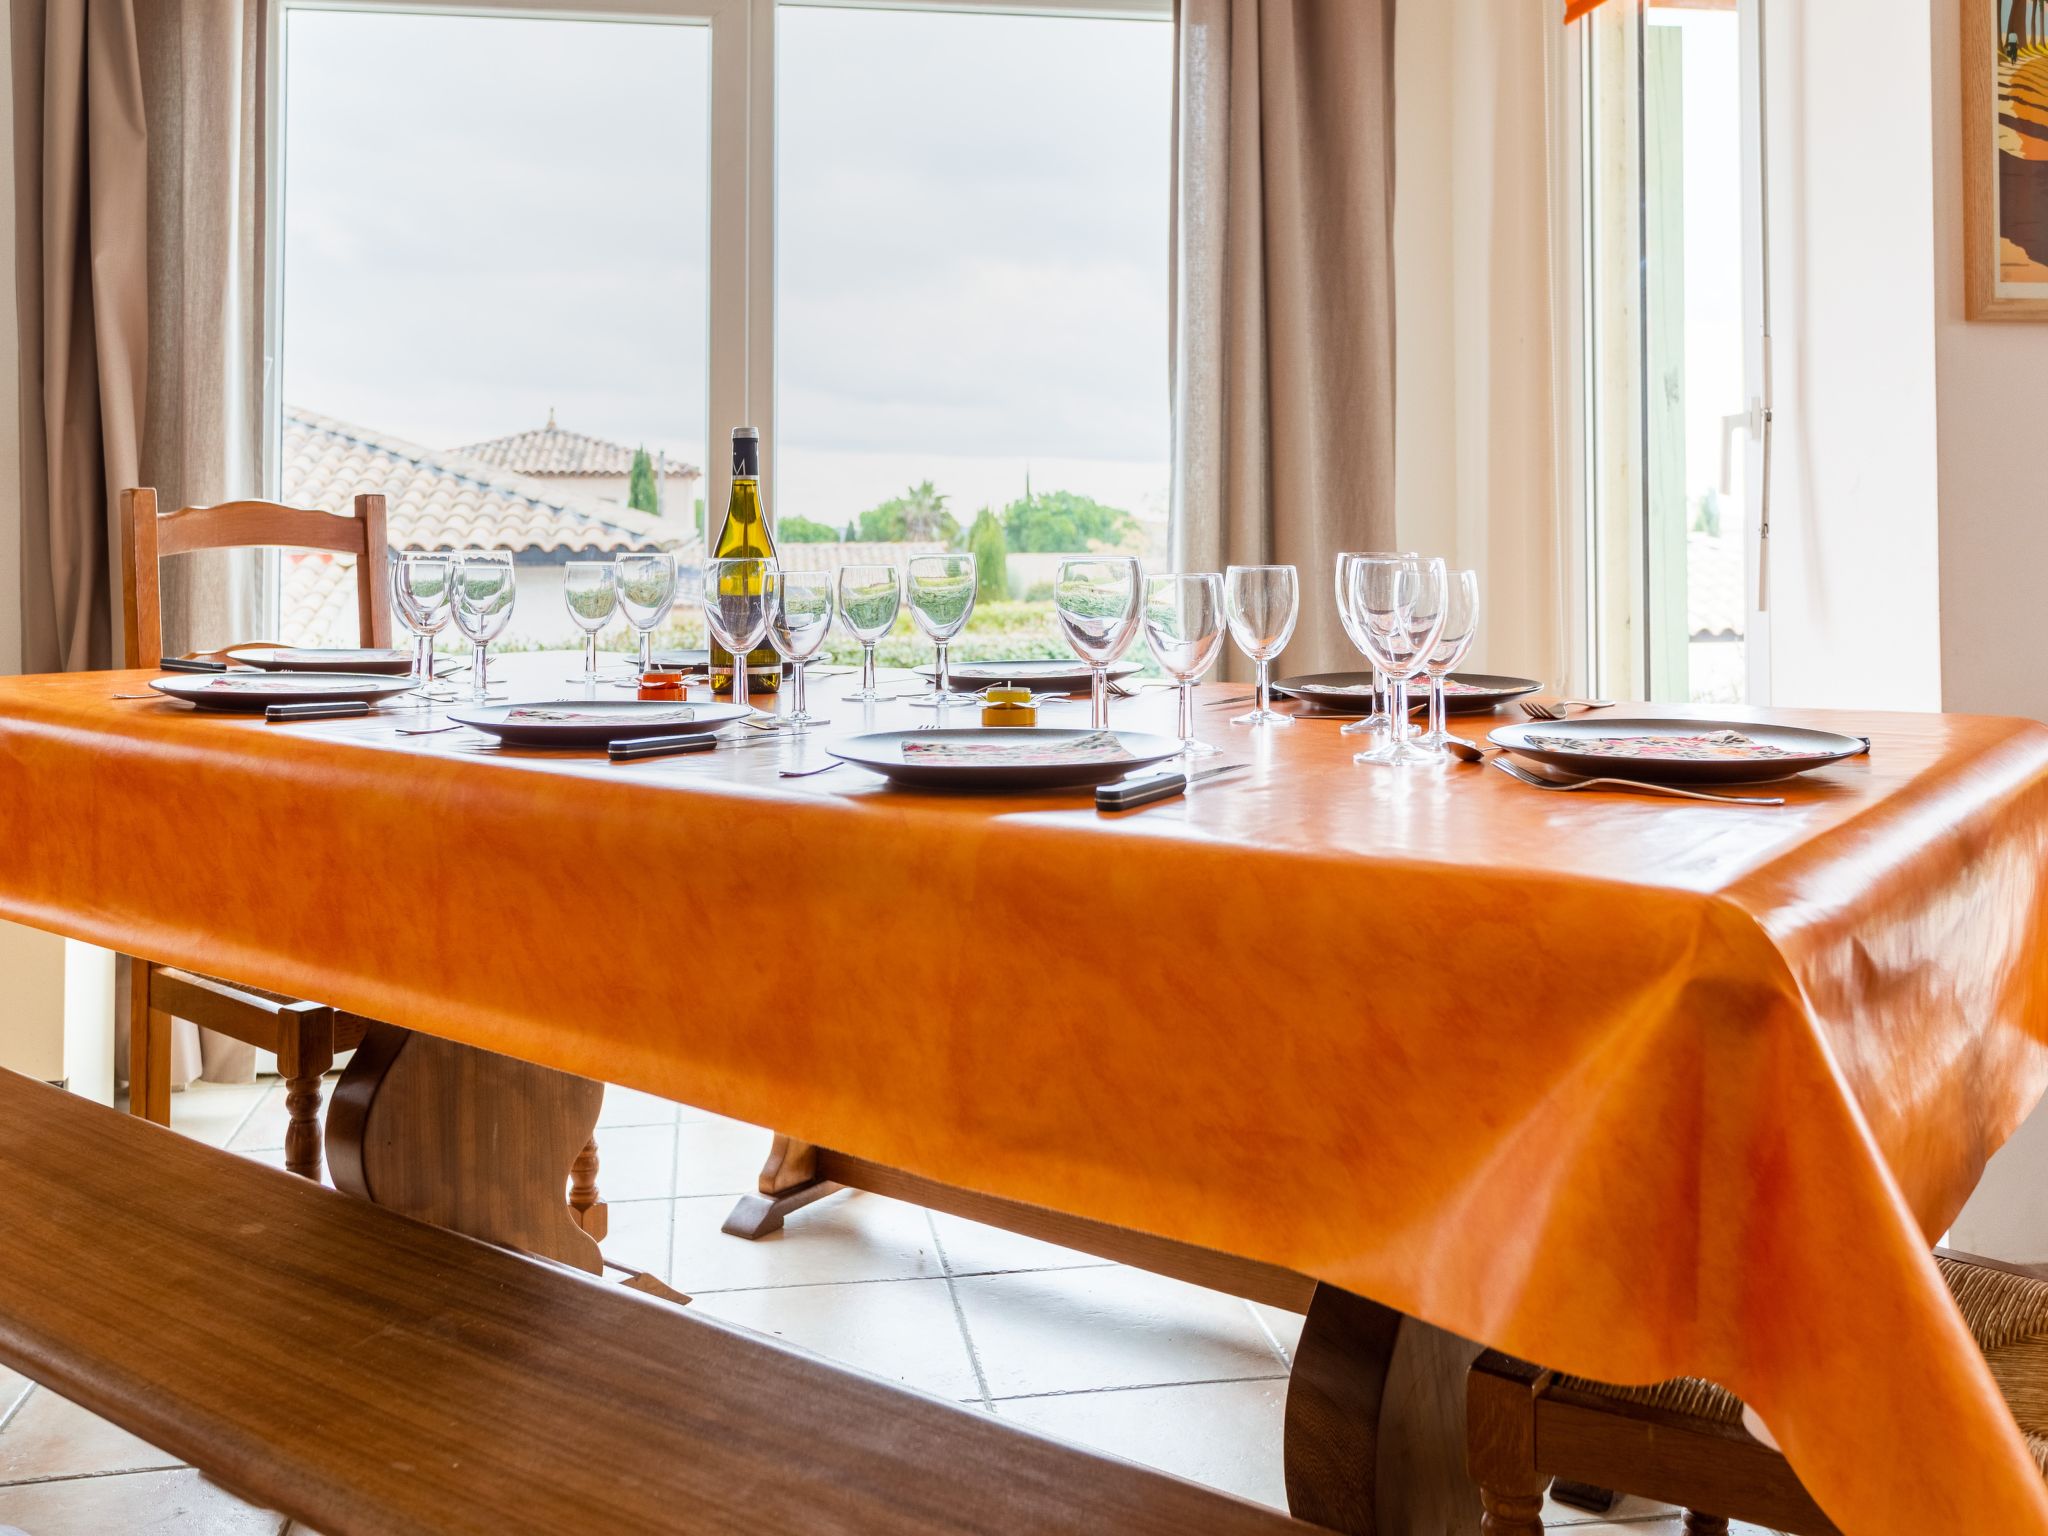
[{"x": 486, "y": 218}]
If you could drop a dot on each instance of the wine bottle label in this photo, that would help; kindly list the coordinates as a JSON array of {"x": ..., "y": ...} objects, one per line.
[{"x": 746, "y": 454}]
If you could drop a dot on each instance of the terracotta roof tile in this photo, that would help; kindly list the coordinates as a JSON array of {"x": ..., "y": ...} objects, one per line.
[{"x": 552, "y": 451}]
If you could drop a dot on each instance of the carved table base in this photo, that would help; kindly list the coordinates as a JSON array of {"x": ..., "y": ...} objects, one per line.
[{"x": 469, "y": 1140}]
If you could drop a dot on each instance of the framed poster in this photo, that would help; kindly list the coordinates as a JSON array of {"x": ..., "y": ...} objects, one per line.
[{"x": 2005, "y": 158}]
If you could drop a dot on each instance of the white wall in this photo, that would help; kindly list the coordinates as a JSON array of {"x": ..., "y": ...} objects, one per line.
[
  {"x": 10, "y": 382},
  {"x": 1994, "y": 560},
  {"x": 1856, "y": 548}
]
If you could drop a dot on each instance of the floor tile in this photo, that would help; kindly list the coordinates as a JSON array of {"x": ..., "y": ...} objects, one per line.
[
  {"x": 1224, "y": 1434},
  {"x": 636, "y": 1162},
  {"x": 972, "y": 1248},
  {"x": 1627, "y": 1511},
  {"x": 629, "y": 1106},
  {"x": 50, "y": 1437},
  {"x": 213, "y": 1112},
  {"x": 850, "y": 1236},
  {"x": 719, "y": 1157},
  {"x": 902, "y": 1330},
  {"x": 266, "y": 1124},
  {"x": 177, "y": 1503},
  {"x": 640, "y": 1235},
  {"x": 1082, "y": 1329},
  {"x": 1284, "y": 1326},
  {"x": 13, "y": 1388}
]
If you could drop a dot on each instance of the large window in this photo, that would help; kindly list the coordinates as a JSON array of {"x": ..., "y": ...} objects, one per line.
[{"x": 532, "y": 281}]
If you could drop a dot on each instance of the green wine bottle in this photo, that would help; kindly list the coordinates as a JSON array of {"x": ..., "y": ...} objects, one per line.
[{"x": 745, "y": 532}]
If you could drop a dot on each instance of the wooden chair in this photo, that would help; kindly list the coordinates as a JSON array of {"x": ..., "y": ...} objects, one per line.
[
  {"x": 304, "y": 1036},
  {"x": 442, "y": 1384},
  {"x": 1683, "y": 1442}
]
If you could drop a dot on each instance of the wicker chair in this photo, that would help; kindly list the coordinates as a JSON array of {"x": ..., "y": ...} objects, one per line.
[{"x": 1683, "y": 1442}]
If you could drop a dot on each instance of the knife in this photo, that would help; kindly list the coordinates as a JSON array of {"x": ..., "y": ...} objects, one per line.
[
  {"x": 1129, "y": 794},
  {"x": 659, "y": 746},
  {"x": 316, "y": 711},
  {"x": 191, "y": 664}
]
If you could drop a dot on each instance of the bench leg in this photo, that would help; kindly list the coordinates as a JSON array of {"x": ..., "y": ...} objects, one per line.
[
  {"x": 466, "y": 1139},
  {"x": 302, "y": 1125},
  {"x": 149, "y": 1048},
  {"x": 1375, "y": 1437},
  {"x": 589, "y": 1212},
  {"x": 1500, "y": 1445},
  {"x": 789, "y": 1182}
]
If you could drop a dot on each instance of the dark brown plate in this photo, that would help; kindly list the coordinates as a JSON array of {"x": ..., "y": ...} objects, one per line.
[
  {"x": 1051, "y": 674},
  {"x": 592, "y": 722},
  {"x": 882, "y": 752},
  {"x": 1475, "y": 693},
  {"x": 1804, "y": 750}
]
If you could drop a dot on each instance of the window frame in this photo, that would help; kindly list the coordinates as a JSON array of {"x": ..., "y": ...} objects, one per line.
[{"x": 740, "y": 255}]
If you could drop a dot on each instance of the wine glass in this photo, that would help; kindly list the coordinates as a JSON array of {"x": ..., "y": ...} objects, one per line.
[
  {"x": 647, "y": 590},
  {"x": 799, "y": 616},
  {"x": 941, "y": 590},
  {"x": 1376, "y": 717},
  {"x": 1399, "y": 602},
  {"x": 736, "y": 612},
  {"x": 591, "y": 589},
  {"x": 869, "y": 597},
  {"x": 1097, "y": 600},
  {"x": 420, "y": 592},
  {"x": 1262, "y": 603},
  {"x": 1461, "y": 623},
  {"x": 1184, "y": 626},
  {"x": 485, "y": 590}
]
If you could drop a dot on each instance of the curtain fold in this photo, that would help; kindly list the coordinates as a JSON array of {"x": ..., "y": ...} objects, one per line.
[
  {"x": 1283, "y": 319},
  {"x": 138, "y": 135}
]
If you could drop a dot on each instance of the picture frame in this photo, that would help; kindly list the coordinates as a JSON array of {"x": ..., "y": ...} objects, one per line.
[{"x": 2005, "y": 159}]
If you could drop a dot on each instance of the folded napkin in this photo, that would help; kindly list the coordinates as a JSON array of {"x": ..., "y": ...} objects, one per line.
[
  {"x": 1099, "y": 747},
  {"x": 1713, "y": 747}
]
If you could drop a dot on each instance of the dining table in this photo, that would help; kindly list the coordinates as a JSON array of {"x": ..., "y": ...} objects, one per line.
[{"x": 1633, "y": 1087}]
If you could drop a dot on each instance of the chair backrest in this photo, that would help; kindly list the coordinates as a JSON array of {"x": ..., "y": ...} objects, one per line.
[{"x": 147, "y": 535}]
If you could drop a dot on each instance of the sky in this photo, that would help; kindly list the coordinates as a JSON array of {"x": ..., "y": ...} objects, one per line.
[{"x": 490, "y": 218}]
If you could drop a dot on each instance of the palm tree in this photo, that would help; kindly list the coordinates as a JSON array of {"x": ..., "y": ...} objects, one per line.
[{"x": 924, "y": 512}]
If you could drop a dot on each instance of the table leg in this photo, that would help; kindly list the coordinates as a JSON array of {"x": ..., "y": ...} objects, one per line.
[
  {"x": 1375, "y": 1437},
  {"x": 589, "y": 1212},
  {"x": 465, "y": 1139},
  {"x": 789, "y": 1182}
]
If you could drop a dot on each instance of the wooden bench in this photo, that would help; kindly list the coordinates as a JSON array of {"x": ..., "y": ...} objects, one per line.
[{"x": 374, "y": 1374}]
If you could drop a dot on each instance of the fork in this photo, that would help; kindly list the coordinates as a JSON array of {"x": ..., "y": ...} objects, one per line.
[
  {"x": 1556, "y": 709},
  {"x": 805, "y": 773},
  {"x": 427, "y": 730},
  {"x": 1537, "y": 781}
]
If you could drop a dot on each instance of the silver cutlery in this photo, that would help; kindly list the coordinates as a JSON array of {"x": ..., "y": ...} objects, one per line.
[
  {"x": 150, "y": 695},
  {"x": 805, "y": 773},
  {"x": 426, "y": 730},
  {"x": 1555, "y": 710},
  {"x": 1537, "y": 781}
]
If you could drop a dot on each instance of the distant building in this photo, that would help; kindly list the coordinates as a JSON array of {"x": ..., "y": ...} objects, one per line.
[
  {"x": 438, "y": 500},
  {"x": 588, "y": 465}
]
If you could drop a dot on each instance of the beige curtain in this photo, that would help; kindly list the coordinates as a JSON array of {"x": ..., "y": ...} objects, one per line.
[
  {"x": 1479, "y": 364},
  {"x": 1283, "y": 330},
  {"x": 138, "y": 133}
]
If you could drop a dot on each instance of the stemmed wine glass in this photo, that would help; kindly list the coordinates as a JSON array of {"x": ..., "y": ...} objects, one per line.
[
  {"x": 647, "y": 590},
  {"x": 1097, "y": 600},
  {"x": 1375, "y": 718},
  {"x": 1399, "y": 604},
  {"x": 1461, "y": 623},
  {"x": 736, "y": 612},
  {"x": 591, "y": 589},
  {"x": 941, "y": 589},
  {"x": 420, "y": 592},
  {"x": 1262, "y": 603},
  {"x": 485, "y": 590},
  {"x": 799, "y": 616},
  {"x": 1184, "y": 626},
  {"x": 869, "y": 597}
]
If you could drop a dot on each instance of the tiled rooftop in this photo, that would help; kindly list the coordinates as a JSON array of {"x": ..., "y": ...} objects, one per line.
[{"x": 552, "y": 451}]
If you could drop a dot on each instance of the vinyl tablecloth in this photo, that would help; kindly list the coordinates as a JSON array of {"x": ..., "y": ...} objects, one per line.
[{"x": 1633, "y": 1087}]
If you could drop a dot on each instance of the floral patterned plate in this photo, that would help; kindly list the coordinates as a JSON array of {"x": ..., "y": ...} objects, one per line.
[
  {"x": 1465, "y": 693},
  {"x": 1677, "y": 751},
  {"x": 1004, "y": 757},
  {"x": 592, "y": 722},
  {"x": 254, "y": 692}
]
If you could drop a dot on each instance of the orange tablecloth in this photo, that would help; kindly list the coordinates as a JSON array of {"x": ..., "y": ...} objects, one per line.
[{"x": 1629, "y": 1086}]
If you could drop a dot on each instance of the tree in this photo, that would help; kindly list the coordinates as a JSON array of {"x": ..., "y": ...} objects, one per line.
[
  {"x": 852, "y": 534},
  {"x": 919, "y": 514},
  {"x": 640, "y": 488},
  {"x": 1062, "y": 522},
  {"x": 801, "y": 530},
  {"x": 991, "y": 553}
]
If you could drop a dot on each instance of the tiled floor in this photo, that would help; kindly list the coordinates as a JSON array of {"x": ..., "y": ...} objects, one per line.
[{"x": 1112, "y": 1358}]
